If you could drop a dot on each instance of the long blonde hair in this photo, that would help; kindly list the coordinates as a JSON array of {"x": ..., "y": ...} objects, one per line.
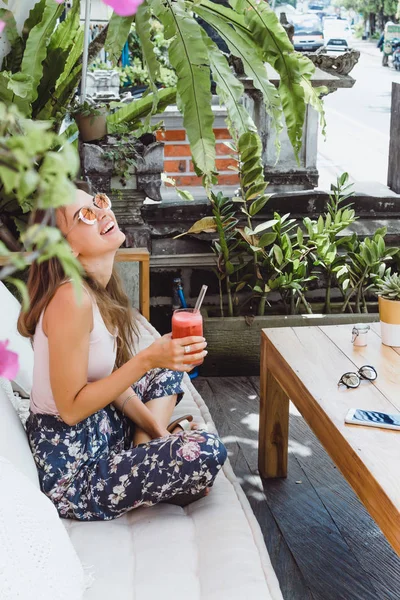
[{"x": 44, "y": 280}]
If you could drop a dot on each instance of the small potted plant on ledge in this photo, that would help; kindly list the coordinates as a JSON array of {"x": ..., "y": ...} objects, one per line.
[
  {"x": 388, "y": 290},
  {"x": 91, "y": 120}
]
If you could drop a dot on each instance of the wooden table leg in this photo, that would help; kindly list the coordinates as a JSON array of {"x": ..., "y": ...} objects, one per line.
[
  {"x": 274, "y": 423},
  {"x": 144, "y": 288}
]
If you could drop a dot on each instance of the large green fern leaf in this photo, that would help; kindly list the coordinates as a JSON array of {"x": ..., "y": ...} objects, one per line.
[
  {"x": 36, "y": 45},
  {"x": 59, "y": 49},
  {"x": 295, "y": 70},
  {"x": 34, "y": 17},
  {"x": 118, "y": 31},
  {"x": 12, "y": 61},
  {"x": 312, "y": 94},
  {"x": 230, "y": 90},
  {"x": 265, "y": 28},
  {"x": 240, "y": 45},
  {"x": 73, "y": 58},
  {"x": 189, "y": 57},
  {"x": 11, "y": 26},
  {"x": 139, "y": 109},
  {"x": 293, "y": 99},
  {"x": 143, "y": 30}
]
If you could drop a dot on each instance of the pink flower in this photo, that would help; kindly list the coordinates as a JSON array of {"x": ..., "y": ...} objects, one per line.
[
  {"x": 2, "y": 25},
  {"x": 124, "y": 8},
  {"x": 189, "y": 451},
  {"x": 9, "y": 365}
]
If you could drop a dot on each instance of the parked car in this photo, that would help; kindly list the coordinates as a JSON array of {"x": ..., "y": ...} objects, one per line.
[
  {"x": 337, "y": 34},
  {"x": 308, "y": 35}
]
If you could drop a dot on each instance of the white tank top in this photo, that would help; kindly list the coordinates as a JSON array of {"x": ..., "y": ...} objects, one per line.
[{"x": 102, "y": 354}]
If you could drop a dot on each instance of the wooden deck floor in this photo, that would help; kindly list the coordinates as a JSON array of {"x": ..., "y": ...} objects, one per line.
[{"x": 322, "y": 542}]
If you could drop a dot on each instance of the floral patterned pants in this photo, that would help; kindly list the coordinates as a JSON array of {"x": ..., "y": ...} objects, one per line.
[{"x": 91, "y": 471}]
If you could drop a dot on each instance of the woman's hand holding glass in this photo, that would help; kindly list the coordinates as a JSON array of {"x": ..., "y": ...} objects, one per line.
[{"x": 178, "y": 354}]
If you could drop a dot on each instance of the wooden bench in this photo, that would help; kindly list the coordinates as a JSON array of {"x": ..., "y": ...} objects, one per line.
[
  {"x": 140, "y": 255},
  {"x": 305, "y": 365}
]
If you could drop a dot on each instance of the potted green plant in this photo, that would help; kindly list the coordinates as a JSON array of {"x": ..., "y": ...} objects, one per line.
[
  {"x": 91, "y": 120},
  {"x": 388, "y": 290}
]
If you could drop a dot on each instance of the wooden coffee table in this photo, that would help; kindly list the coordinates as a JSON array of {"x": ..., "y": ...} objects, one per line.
[{"x": 305, "y": 365}]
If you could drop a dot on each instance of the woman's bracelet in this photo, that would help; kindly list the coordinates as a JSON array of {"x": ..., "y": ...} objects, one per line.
[{"x": 125, "y": 401}]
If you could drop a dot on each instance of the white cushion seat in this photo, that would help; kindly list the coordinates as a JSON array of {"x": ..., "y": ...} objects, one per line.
[{"x": 212, "y": 549}]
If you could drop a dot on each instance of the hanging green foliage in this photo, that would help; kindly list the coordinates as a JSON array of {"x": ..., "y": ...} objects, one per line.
[{"x": 44, "y": 67}]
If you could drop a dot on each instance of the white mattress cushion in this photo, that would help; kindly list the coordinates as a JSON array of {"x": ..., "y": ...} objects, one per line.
[
  {"x": 13, "y": 439},
  {"x": 37, "y": 559},
  {"x": 211, "y": 550},
  {"x": 9, "y": 313}
]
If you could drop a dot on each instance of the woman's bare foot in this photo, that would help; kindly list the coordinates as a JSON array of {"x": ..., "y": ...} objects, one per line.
[{"x": 178, "y": 428}]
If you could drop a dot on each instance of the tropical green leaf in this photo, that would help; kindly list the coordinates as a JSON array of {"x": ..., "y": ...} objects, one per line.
[
  {"x": 252, "y": 177},
  {"x": 240, "y": 44},
  {"x": 34, "y": 17},
  {"x": 6, "y": 94},
  {"x": 293, "y": 99},
  {"x": 12, "y": 62},
  {"x": 9, "y": 179},
  {"x": 295, "y": 70},
  {"x": 189, "y": 57},
  {"x": 230, "y": 90},
  {"x": 64, "y": 93},
  {"x": 65, "y": 33},
  {"x": 62, "y": 44},
  {"x": 267, "y": 239},
  {"x": 36, "y": 45},
  {"x": 73, "y": 57},
  {"x": 184, "y": 194},
  {"x": 20, "y": 84},
  {"x": 11, "y": 26},
  {"x": 143, "y": 30},
  {"x": 11, "y": 86},
  {"x": 265, "y": 27},
  {"x": 312, "y": 96},
  {"x": 300, "y": 236},
  {"x": 138, "y": 109},
  {"x": 258, "y": 205},
  {"x": 264, "y": 226},
  {"x": 255, "y": 190},
  {"x": 118, "y": 31},
  {"x": 278, "y": 254}
]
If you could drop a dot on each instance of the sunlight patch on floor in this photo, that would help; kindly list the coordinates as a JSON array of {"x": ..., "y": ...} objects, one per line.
[
  {"x": 299, "y": 449},
  {"x": 230, "y": 439},
  {"x": 251, "y": 421}
]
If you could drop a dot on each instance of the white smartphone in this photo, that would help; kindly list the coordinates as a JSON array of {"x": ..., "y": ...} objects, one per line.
[{"x": 372, "y": 418}]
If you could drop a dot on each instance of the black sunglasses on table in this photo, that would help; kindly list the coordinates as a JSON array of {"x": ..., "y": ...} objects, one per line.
[{"x": 353, "y": 380}]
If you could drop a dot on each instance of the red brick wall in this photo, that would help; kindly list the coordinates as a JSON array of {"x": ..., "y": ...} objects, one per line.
[{"x": 177, "y": 158}]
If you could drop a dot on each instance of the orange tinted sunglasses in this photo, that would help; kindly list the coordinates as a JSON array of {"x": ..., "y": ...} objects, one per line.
[{"x": 87, "y": 215}]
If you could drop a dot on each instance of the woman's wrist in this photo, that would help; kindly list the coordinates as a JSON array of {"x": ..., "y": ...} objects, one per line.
[{"x": 146, "y": 358}]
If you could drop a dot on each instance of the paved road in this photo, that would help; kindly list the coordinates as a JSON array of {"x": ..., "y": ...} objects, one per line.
[{"x": 358, "y": 123}]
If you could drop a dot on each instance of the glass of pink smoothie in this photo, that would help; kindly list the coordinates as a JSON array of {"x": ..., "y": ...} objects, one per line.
[{"x": 187, "y": 322}]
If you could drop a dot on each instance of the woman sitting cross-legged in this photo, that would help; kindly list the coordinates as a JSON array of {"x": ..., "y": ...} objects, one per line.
[{"x": 99, "y": 417}]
